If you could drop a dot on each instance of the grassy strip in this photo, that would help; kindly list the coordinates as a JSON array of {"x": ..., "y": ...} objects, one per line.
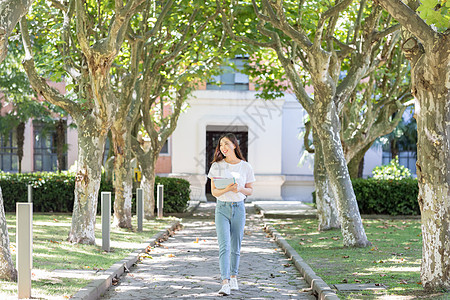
[
  {"x": 51, "y": 251},
  {"x": 393, "y": 261}
]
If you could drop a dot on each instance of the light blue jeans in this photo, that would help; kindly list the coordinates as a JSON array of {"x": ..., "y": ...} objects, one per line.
[{"x": 230, "y": 222}]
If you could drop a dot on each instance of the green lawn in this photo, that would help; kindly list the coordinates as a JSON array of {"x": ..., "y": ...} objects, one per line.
[
  {"x": 393, "y": 260},
  {"x": 51, "y": 251}
]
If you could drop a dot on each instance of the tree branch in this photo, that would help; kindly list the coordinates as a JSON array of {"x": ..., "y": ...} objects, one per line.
[
  {"x": 38, "y": 83},
  {"x": 410, "y": 20}
]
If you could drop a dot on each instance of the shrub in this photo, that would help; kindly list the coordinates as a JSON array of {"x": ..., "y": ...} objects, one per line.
[
  {"x": 54, "y": 192},
  {"x": 176, "y": 193},
  {"x": 391, "y": 197},
  {"x": 387, "y": 197},
  {"x": 393, "y": 170}
]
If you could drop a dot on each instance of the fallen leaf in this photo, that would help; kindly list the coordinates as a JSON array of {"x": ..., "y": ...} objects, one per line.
[
  {"x": 357, "y": 280},
  {"x": 283, "y": 272},
  {"x": 403, "y": 281},
  {"x": 301, "y": 243},
  {"x": 323, "y": 238},
  {"x": 346, "y": 256},
  {"x": 407, "y": 248},
  {"x": 344, "y": 280},
  {"x": 287, "y": 265},
  {"x": 170, "y": 255},
  {"x": 335, "y": 238},
  {"x": 383, "y": 275}
]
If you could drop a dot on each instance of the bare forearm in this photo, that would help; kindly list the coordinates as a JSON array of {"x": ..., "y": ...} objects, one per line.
[{"x": 246, "y": 191}]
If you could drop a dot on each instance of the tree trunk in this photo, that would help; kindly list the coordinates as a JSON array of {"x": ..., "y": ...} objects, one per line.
[
  {"x": 325, "y": 200},
  {"x": 60, "y": 143},
  {"x": 20, "y": 131},
  {"x": 123, "y": 175},
  {"x": 356, "y": 164},
  {"x": 7, "y": 270},
  {"x": 431, "y": 83},
  {"x": 147, "y": 163},
  {"x": 91, "y": 143},
  {"x": 326, "y": 123}
]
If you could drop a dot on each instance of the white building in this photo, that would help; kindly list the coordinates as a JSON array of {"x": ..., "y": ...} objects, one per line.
[{"x": 268, "y": 132}]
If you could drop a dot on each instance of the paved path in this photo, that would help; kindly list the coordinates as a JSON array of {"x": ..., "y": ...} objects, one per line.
[{"x": 186, "y": 266}]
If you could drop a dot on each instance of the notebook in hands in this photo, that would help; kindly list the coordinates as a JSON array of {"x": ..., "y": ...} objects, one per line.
[{"x": 222, "y": 183}]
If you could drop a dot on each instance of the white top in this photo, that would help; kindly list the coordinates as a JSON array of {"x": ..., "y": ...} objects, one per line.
[{"x": 242, "y": 173}]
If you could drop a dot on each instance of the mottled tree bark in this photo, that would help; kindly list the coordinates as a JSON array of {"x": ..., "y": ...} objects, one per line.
[
  {"x": 429, "y": 52},
  {"x": 123, "y": 175},
  {"x": 91, "y": 143},
  {"x": 10, "y": 13},
  {"x": 356, "y": 164},
  {"x": 7, "y": 270},
  {"x": 433, "y": 165},
  {"x": 325, "y": 201},
  {"x": 327, "y": 127},
  {"x": 147, "y": 162}
]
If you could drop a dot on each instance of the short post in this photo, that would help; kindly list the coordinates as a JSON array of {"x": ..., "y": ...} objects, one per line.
[
  {"x": 106, "y": 220},
  {"x": 160, "y": 200},
  {"x": 30, "y": 193},
  {"x": 139, "y": 208},
  {"x": 24, "y": 237}
]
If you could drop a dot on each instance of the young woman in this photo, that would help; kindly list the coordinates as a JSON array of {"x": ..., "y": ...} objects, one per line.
[{"x": 230, "y": 210}]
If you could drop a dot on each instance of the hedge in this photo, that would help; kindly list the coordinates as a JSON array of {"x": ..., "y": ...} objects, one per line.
[
  {"x": 386, "y": 197},
  {"x": 54, "y": 192}
]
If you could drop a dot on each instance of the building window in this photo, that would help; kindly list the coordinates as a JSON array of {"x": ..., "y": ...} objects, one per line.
[
  {"x": 405, "y": 158},
  {"x": 45, "y": 152},
  {"x": 165, "y": 149},
  {"x": 230, "y": 79},
  {"x": 9, "y": 161}
]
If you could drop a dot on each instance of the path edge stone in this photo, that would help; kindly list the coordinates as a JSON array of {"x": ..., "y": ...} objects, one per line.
[
  {"x": 318, "y": 285},
  {"x": 96, "y": 288}
]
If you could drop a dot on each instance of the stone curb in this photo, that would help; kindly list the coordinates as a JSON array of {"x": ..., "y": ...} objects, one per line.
[
  {"x": 318, "y": 286},
  {"x": 275, "y": 215},
  {"x": 98, "y": 287}
]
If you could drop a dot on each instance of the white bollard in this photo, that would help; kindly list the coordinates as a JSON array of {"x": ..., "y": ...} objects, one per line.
[
  {"x": 160, "y": 200},
  {"x": 24, "y": 239},
  {"x": 106, "y": 220},
  {"x": 30, "y": 193},
  {"x": 139, "y": 208}
]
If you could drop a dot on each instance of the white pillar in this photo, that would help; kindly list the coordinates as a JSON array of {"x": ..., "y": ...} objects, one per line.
[
  {"x": 24, "y": 237},
  {"x": 106, "y": 220},
  {"x": 139, "y": 208}
]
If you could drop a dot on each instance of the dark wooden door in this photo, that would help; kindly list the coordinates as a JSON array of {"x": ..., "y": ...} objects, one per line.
[{"x": 212, "y": 139}]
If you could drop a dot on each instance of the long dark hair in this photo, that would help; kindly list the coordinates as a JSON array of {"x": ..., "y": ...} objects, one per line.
[{"x": 218, "y": 156}]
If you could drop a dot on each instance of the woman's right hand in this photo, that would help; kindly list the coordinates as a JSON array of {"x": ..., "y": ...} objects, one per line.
[{"x": 232, "y": 187}]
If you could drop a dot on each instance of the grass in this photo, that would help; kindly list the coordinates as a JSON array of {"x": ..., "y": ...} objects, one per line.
[
  {"x": 392, "y": 261},
  {"x": 51, "y": 251}
]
